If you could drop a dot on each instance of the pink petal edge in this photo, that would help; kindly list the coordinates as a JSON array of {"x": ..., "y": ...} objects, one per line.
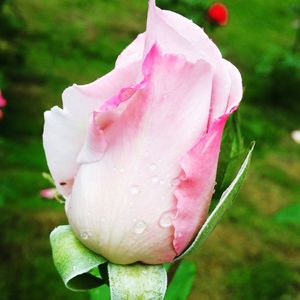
[{"x": 197, "y": 181}]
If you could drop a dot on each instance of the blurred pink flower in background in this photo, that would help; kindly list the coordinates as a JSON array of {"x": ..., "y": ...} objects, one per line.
[
  {"x": 49, "y": 193},
  {"x": 3, "y": 103},
  {"x": 135, "y": 153}
]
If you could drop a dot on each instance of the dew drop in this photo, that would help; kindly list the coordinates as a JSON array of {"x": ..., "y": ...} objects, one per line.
[
  {"x": 161, "y": 182},
  {"x": 84, "y": 235},
  {"x": 134, "y": 190},
  {"x": 166, "y": 219},
  {"x": 179, "y": 234},
  {"x": 139, "y": 227},
  {"x": 152, "y": 167},
  {"x": 154, "y": 179}
]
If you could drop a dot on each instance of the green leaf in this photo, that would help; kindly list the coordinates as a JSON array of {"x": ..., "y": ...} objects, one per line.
[
  {"x": 225, "y": 202},
  {"x": 73, "y": 260},
  {"x": 289, "y": 214},
  {"x": 182, "y": 283},
  {"x": 137, "y": 282}
]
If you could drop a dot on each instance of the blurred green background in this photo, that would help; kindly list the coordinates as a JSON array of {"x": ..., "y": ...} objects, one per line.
[{"x": 47, "y": 45}]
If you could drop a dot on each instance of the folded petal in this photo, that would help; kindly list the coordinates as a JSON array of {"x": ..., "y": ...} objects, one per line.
[
  {"x": 236, "y": 87},
  {"x": 196, "y": 185},
  {"x": 161, "y": 116},
  {"x": 133, "y": 52},
  {"x": 67, "y": 141},
  {"x": 81, "y": 100},
  {"x": 63, "y": 138},
  {"x": 176, "y": 34}
]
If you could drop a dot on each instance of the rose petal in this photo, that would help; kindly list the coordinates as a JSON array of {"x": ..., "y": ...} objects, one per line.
[
  {"x": 142, "y": 133},
  {"x": 133, "y": 52},
  {"x": 62, "y": 142},
  {"x": 81, "y": 100},
  {"x": 177, "y": 35},
  {"x": 63, "y": 138},
  {"x": 196, "y": 187},
  {"x": 236, "y": 87}
]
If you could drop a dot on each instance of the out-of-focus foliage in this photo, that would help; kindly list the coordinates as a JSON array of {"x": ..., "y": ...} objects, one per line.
[
  {"x": 279, "y": 71},
  {"x": 192, "y": 9},
  {"x": 11, "y": 50}
]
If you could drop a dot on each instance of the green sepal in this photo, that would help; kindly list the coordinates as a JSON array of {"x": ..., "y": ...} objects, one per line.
[
  {"x": 225, "y": 202},
  {"x": 137, "y": 282},
  {"x": 74, "y": 261},
  {"x": 231, "y": 157}
]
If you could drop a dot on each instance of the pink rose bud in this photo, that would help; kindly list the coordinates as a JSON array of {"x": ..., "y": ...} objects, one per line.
[
  {"x": 135, "y": 152},
  {"x": 48, "y": 193}
]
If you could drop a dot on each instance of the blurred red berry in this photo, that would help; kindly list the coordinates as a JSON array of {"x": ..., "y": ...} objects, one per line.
[{"x": 218, "y": 13}]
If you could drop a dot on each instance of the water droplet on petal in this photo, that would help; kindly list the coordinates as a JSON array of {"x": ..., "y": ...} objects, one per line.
[
  {"x": 161, "y": 182},
  {"x": 152, "y": 167},
  {"x": 154, "y": 179},
  {"x": 134, "y": 189},
  {"x": 84, "y": 235},
  {"x": 139, "y": 227},
  {"x": 179, "y": 234},
  {"x": 166, "y": 219}
]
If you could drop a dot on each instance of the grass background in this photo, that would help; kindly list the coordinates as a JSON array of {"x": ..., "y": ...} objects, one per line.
[{"x": 255, "y": 252}]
